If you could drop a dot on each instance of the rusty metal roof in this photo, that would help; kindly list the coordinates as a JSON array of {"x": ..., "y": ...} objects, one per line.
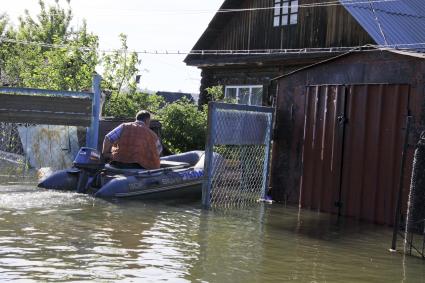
[{"x": 398, "y": 23}]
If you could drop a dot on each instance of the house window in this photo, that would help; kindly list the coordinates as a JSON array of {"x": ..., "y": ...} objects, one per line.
[
  {"x": 285, "y": 12},
  {"x": 245, "y": 94}
]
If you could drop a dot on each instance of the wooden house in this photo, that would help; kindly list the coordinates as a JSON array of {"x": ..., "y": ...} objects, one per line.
[
  {"x": 275, "y": 25},
  {"x": 340, "y": 114},
  {"x": 346, "y": 128}
]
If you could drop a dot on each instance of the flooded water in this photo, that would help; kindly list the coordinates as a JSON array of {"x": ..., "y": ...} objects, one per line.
[{"x": 58, "y": 237}]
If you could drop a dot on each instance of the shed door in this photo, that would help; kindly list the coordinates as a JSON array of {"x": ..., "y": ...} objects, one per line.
[{"x": 352, "y": 149}]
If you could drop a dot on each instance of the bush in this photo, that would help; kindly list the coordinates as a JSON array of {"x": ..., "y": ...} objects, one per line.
[
  {"x": 183, "y": 126},
  {"x": 215, "y": 93},
  {"x": 126, "y": 105}
]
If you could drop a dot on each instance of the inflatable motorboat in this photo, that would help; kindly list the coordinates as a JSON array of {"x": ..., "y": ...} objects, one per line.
[{"x": 180, "y": 176}]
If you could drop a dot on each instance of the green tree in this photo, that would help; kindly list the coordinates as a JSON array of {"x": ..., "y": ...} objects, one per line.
[
  {"x": 64, "y": 58},
  {"x": 120, "y": 69},
  {"x": 183, "y": 126},
  {"x": 119, "y": 78},
  {"x": 122, "y": 105},
  {"x": 215, "y": 92},
  {"x": 4, "y": 21}
]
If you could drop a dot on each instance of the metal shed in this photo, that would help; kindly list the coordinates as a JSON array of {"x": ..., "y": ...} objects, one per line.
[{"x": 339, "y": 133}]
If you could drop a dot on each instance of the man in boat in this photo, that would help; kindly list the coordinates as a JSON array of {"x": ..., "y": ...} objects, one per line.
[{"x": 133, "y": 145}]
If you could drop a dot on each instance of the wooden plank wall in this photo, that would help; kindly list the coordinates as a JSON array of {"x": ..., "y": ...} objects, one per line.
[
  {"x": 45, "y": 110},
  {"x": 317, "y": 27}
]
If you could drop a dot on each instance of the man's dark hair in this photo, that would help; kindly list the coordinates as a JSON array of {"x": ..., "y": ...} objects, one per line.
[{"x": 143, "y": 115}]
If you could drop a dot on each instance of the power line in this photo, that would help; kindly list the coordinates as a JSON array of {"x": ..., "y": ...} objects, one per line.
[
  {"x": 42, "y": 44},
  {"x": 114, "y": 12},
  {"x": 215, "y": 52},
  {"x": 401, "y": 46},
  {"x": 372, "y": 47},
  {"x": 312, "y": 5},
  {"x": 378, "y": 23}
]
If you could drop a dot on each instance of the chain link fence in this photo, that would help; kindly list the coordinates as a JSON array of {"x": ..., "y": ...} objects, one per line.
[
  {"x": 414, "y": 233},
  {"x": 27, "y": 148},
  {"x": 237, "y": 154},
  {"x": 9, "y": 138},
  {"x": 42, "y": 129},
  {"x": 13, "y": 162}
]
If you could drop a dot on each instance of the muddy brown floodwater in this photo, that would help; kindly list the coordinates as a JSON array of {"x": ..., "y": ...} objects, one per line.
[{"x": 48, "y": 236}]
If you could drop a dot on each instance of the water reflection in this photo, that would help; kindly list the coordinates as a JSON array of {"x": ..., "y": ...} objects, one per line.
[{"x": 54, "y": 236}]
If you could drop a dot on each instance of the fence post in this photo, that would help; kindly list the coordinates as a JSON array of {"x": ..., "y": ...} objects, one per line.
[
  {"x": 208, "y": 166},
  {"x": 415, "y": 218},
  {"x": 266, "y": 165},
  {"x": 93, "y": 132},
  {"x": 397, "y": 214}
]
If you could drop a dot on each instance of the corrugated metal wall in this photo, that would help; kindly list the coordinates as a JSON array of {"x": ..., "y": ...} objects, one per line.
[
  {"x": 322, "y": 149},
  {"x": 352, "y": 149}
]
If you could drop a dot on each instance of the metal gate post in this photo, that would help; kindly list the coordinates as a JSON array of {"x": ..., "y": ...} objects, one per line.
[
  {"x": 206, "y": 187},
  {"x": 341, "y": 124},
  {"x": 93, "y": 131},
  {"x": 397, "y": 213},
  {"x": 266, "y": 165}
]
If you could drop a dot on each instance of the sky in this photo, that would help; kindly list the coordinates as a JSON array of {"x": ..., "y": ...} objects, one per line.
[{"x": 150, "y": 25}]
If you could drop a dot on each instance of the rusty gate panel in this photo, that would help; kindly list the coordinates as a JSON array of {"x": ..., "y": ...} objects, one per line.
[
  {"x": 322, "y": 147},
  {"x": 352, "y": 149},
  {"x": 372, "y": 150}
]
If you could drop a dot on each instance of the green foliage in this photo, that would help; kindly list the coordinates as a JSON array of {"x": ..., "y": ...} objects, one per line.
[
  {"x": 120, "y": 69},
  {"x": 71, "y": 64},
  {"x": 215, "y": 92},
  {"x": 183, "y": 126},
  {"x": 126, "y": 105},
  {"x": 67, "y": 68}
]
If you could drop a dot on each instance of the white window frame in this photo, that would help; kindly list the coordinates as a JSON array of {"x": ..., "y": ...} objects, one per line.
[
  {"x": 238, "y": 87},
  {"x": 285, "y": 12}
]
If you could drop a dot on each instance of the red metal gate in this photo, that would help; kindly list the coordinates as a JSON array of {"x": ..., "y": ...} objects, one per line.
[{"x": 352, "y": 149}]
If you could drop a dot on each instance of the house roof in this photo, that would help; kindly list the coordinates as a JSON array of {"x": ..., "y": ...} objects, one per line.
[
  {"x": 217, "y": 23},
  {"x": 398, "y": 23},
  {"x": 419, "y": 55}
]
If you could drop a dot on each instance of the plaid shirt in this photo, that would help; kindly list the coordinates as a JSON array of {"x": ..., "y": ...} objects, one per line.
[{"x": 114, "y": 135}]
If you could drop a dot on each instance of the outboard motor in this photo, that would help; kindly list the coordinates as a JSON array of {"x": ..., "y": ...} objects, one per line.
[
  {"x": 89, "y": 162},
  {"x": 88, "y": 159}
]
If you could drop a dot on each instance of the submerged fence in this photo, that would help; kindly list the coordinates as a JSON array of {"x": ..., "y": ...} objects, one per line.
[
  {"x": 237, "y": 154},
  {"x": 414, "y": 232},
  {"x": 44, "y": 128},
  {"x": 409, "y": 223},
  {"x": 24, "y": 148}
]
